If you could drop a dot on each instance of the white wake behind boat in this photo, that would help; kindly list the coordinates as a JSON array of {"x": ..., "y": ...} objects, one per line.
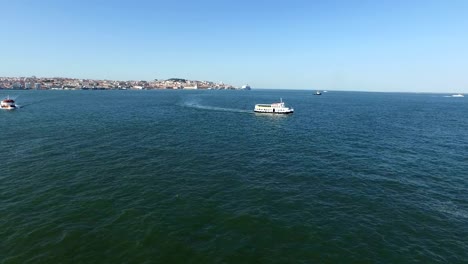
[{"x": 274, "y": 108}]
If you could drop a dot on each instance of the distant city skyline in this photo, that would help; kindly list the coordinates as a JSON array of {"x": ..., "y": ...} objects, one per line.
[
  {"x": 402, "y": 46},
  {"x": 67, "y": 83}
]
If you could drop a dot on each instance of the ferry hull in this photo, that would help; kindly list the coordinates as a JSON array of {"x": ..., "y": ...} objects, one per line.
[
  {"x": 8, "y": 107},
  {"x": 275, "y": 112}
]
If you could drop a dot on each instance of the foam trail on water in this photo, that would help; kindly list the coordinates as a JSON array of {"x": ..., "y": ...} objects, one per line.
[
  {"x": 23, "y": 105},
  {"x": 214, "y": 108}
]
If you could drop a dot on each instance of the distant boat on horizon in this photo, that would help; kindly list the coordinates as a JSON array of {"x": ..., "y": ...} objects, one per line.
[
  {"x": 317, "y": 93},
  {"x": 190, "y": 87},
  {"x": 246, "y": 87},
  {"x": 458, "y": 95}
]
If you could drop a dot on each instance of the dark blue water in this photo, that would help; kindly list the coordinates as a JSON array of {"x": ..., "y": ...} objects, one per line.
[{"x": 196, "y": 177}]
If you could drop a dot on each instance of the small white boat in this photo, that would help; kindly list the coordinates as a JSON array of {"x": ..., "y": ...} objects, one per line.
[
  {"x": 275, "y": 108},
  {"x": 8, "y": 104},
  {"x": 317, "y": 93},
  {"x": 458, "y": 95}
]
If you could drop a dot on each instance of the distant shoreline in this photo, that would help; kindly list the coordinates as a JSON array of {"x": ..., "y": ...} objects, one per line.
[
  {"x": 262, "y": 89},
  {"x": 60, "y": 83}
]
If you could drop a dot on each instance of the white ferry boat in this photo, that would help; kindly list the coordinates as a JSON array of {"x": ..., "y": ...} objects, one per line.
[
  {"x": 275, "y": 108},
  {"x": 190, "y": 87},
  {"x": 8, "y": 104},
  {"x": 458, "y": 95}
]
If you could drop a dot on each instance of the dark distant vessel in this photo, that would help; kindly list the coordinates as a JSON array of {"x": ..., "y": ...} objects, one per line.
[
  {"x": 246, "y": 87},
  {"x": 275, "y": 108},
  {"x": 8, "y": 104},
  {"x": 317, "y": 93}
]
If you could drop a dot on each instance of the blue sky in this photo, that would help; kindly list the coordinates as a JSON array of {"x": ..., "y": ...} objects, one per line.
[{"x": 333, "y": 45}]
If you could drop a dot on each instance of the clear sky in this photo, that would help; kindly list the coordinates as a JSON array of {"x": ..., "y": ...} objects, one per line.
[{"x": 387, "y": 45}]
